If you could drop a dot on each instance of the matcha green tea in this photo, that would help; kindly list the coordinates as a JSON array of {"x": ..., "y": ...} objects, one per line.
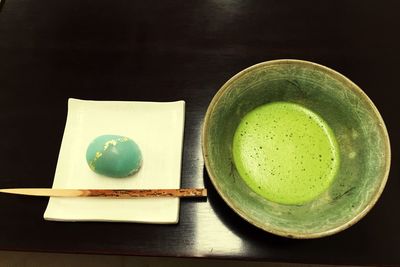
[{"x": 285, "y": 152}]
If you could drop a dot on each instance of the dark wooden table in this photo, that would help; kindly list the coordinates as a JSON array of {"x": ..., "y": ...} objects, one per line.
[{"x": 171, "y": 50}]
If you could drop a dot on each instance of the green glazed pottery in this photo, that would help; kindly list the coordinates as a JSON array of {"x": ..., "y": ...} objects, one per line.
[{"x": 361, "y": 139}]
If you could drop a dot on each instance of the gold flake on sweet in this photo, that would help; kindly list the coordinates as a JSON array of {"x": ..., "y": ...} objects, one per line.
[
  {"x": 93, "y": 162},
  {"x": 108, "y": 143},
  {"x": 91, "y": 165},
  {"x": 123, "y": 139},
  {"x": 98, "y": 155}
]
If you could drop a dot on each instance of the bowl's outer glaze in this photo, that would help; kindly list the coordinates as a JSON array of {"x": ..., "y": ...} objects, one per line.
[{"x": 359, "y": 129}]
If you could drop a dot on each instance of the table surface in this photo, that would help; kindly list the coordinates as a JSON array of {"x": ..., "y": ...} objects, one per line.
[{"x": 171, "y": 50}]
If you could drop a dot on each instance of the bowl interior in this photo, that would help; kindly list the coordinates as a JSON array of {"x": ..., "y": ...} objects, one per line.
[{"x": 358, "y": 128}]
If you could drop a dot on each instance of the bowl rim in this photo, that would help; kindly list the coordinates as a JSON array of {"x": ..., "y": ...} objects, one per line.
[{"x": 351, "y": 86}]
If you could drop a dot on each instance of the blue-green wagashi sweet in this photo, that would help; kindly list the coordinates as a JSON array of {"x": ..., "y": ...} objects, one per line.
[{"x": 114, "y": 156}]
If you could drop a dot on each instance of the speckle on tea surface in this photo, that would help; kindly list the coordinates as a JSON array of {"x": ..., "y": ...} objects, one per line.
[{"x": 285, "y": 152}]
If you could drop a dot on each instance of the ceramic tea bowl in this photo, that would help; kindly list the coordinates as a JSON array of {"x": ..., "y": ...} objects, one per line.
[{"x": 360, "y": 132}]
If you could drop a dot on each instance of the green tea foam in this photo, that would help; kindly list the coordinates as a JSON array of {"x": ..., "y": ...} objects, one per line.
[{"x": 285, "y": 152}]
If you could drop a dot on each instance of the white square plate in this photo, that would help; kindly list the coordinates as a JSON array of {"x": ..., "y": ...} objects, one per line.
[{"x": 156, "y": 127}]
